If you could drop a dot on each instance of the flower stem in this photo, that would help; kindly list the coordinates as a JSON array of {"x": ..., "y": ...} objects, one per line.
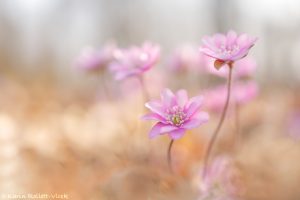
[
  {"x": 169, "y": 156},
  {"x": 219, "y": 126},
  {"x": 237, "y": 124}
]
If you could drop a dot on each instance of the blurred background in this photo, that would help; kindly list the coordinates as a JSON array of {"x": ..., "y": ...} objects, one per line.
[
  {"x": 44, "y": 36},
  {"x": 60, "y": 134}
]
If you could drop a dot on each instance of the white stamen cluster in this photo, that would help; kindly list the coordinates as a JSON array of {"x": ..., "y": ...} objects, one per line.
[
  {"x": 175, "y": 116},
  {"x": 228, "y": 50}
]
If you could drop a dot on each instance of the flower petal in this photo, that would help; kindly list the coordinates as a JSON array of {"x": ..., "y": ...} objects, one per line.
[
  {"x": 219, "y": 39},
  {"x": 168, "y": 98},
  {"x": 231, "y": 38},
  {"x": 153, "y": 116},
  {"x": 193, "y": 105},
  {"x": 160, "y": 128},
  {"x": 156, "y": 107},
  {"x": 182, "y": 97},
  {"x": 177, "y": 134},
  {"x": 191, "y": 124},
  {"x": 201, "y": 118}
]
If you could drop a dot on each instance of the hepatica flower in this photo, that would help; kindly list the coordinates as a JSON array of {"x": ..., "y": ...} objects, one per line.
[
  {"x": 91, "y": 59},
  {"x": 184, "y": 59},
  {"x": 220, "y": 182},
  {"x": 175, "y": 113},
  {"x": 134, "y": 61},
  {"x": 242, "y": 93},
  {"x": 293, "y": 127},
  {"x": 227, "y": 48}
]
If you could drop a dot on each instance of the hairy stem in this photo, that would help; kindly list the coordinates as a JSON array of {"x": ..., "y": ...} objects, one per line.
[{"x": 219, "y": 126}]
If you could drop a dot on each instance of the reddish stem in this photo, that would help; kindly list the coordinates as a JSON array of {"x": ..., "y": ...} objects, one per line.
[
  {"x": 219, "y": 126},
  {"x": 169, "y": 156}
]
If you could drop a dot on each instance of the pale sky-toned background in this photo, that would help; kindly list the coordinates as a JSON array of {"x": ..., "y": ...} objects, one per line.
[{"x": 39, "y": 36}]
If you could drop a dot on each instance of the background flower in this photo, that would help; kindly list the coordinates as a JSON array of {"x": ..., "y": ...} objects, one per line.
[
  {"x": 92, "y": 59},
  {"x": 134, "y": 61},
  {"x": 219, "y": 181},
  {"x": 184, "y": 59},
  {"x": 242, "y": 92}
]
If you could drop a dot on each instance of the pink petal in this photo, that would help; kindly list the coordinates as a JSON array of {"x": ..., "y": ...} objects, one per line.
[
  {"x": 153, "y": 116},
  {"x": 177, "y": 134},
  {"x": 191, "y": 124},
  {"x": 242, "y": 39},
  {"x": 231, "y": 38},
  {"x": 182, "y": 97},
  {"x": 160, "y": 128},
  {"x": 202, "y": 118},
  {"x": 209, "y": 52},
  {"x": 193, "y": 105},
  {"x": 156, "y": 107},
  {"x": 168, "y": 98},
  {"x": 209, "y": 43},
  {"x": 241, "y": 54},
  {"x": 219, "y": 39}
]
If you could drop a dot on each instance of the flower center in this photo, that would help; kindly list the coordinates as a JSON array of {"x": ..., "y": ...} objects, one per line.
[
  {"x": 176, "y": 116},
  {"x": 228, "y": 50}
]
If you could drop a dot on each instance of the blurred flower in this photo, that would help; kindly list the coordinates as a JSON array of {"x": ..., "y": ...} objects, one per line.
[
  {"x": 220, "y": 181},
  {"x": 184, "y": 59},
  {"x": 294, "y": 125},
  {"x": 243, "y": 68},
  {"x": 134, "y": 61},
  {"x": 91, "y": 59},
  {"x": 228, "y": 48},
  {"x": 241, "y": 94},
  {"x": 175, "y": 114}
]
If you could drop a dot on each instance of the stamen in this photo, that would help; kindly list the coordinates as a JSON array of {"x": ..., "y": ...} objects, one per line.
[{"x": 175, "y": 116}]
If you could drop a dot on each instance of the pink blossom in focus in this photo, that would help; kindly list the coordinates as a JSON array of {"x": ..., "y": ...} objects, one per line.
[
  {"x": 227, "y": 48},
  {"x": 242, "y": 68},
  {"x": 184, "y": 59},
  {"x": 175, "y": 114},
  {"x": 220, "y": 181},
  {"x": 242, "y": 92},
  {"x": 92, "y": 59},
  {"x": 134, "y": 61}
]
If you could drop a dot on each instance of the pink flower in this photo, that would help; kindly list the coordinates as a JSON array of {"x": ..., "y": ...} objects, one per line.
[
  {"x": 220, "y": 181},
  {"x": 241, "y": 94},
  {"x": 227, "y": 48},
  {"x": 243, "y": 68},
  {"x": 293, "y": 125},
  {"x": 175, "y": 114},
  {"x": 92, "y": 59},
  {"x": 184, "y": 59},
  {"x": 135, "y": 60}
]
